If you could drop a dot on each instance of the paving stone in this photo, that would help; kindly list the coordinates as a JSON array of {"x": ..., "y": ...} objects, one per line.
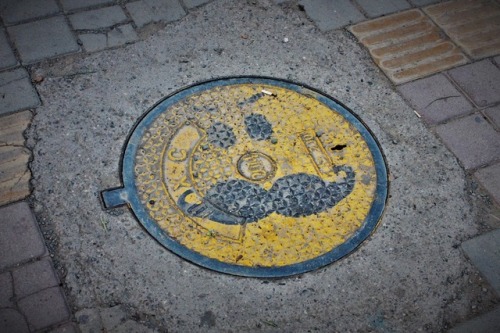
[
  {"x": 89, "y": 321},
  {"x": 65, "y": 328},
  {"x": 45, "y": 308},
  {"x": 493, "y": 114},
  {"x": 149, "y": 11},
  {"x": 408, "y": 46},
  {"x": 473, "y": 25},
  {"x": 20, "y": 238},
  {"x": 12, "y": 321},
  {"x": 98, "y": 18},
  {"x": 14, "y": 172},
  {"x": 6, "y": 290},
  {"x": 53, "y": 38},
  {"x": 484, "y": 252},
  {"x": 33, "y": 277},
  {"x": 382, "y": 7},
  {"x": 480, "y": 80},
  {"x": 329, "y": 15},
  {"x": 472, "y": 139},
  {"x": 116, "y": 37},
  {"x": 195, "y": 3},
  {"x": 435, "y": 98},
  {"x": 94, "y": 42},
  {"x": 7, "y": 57},
  {"x": 16, "y": 91},
  {"x": 12, "y": 128},
  {"x": 121, "y": 35},
  {"x": 69, "y": 5},
  {"x": 486, "y": 323},
  {"x": 15, "y": 11},
  {"x": 489, "y": 177},
  {"x": 112, "y": 317}
]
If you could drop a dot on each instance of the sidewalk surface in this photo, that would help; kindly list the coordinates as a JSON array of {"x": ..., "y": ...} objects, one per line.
[{"x": 75, "y": 76}]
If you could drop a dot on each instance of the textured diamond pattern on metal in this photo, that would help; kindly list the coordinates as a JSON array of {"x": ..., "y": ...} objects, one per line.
[{"x": 254, "y": 177}]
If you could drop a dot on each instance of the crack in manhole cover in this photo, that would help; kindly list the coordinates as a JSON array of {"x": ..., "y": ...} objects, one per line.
[{"x": 253, "y": 177}]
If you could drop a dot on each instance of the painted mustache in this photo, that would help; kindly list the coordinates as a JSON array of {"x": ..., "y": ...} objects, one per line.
[{"x": 236, "y": 201}]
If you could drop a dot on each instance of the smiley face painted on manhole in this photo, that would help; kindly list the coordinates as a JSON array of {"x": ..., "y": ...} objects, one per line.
[{"x": 253, "y": 177}]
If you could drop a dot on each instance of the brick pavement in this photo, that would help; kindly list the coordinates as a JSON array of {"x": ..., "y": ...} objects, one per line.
[
  {"x": 448, "y": 72},
  {"x": 31, "y": 298}
]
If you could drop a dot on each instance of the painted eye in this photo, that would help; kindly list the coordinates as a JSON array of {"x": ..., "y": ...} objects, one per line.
[
  {"x": 257, "y": 126},
  {"x": 221, "y": 135}
]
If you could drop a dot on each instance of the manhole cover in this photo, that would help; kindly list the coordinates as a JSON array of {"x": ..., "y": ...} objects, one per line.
[{"x": 253, "y": 176}]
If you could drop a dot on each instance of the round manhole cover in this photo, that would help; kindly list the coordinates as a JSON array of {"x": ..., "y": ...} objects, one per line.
[{"x": 253, "y": 176}]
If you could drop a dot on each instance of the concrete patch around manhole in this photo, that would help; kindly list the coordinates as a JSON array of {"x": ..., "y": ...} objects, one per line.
[
  {"x": 254, "y": 177},
  {"x": 90, "y": 104},
  {"x": 473, "y": 25},
  {"x": 408, "y": 46}
]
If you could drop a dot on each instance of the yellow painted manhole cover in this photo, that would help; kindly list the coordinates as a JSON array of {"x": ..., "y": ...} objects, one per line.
[{"x": 253, "y": 176}]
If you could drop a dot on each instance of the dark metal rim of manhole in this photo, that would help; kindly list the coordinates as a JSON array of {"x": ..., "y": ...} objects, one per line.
[{"x": 128, "y": 193}]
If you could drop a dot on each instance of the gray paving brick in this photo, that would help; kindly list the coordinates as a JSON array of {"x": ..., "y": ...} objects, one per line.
[
  {"x": 20, "y": 238},
  {"x": 493, "y": 114},
  {"x": 382, "y": 7},
  {"x": 65, "y": 328},
  {"x": 148, "y": 11},
  {"x": 33, "y": 277},
  {"x": 489, "y": 177},
  {"x": 121, "y": 35},
  {"x": 486, "y": 323},
  {"x": 7, "y": 57},
  {"x": 45, "y": 308},
  {"x": 484, "y": 252},
  {"x": 6, "y": 290},
  {"x": 435, "y": 98},
  {"x": 15, "y": 11},
  {"x": 480, "y": 80},
  {"x": 12, "y": 321},
  {"x": 195, "y": 3},
  {"x": 116, "y": 37},
  {"x": 93, "y": 42},
  {"x": 472, "y": 139},
  {"x": 53, "y": 38},
  {"x": 69, "y": 5},
  {"x": 16, "y": 91},
  {"x": 98, "y": 18},
  {"x": 329, "y": 15}
]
